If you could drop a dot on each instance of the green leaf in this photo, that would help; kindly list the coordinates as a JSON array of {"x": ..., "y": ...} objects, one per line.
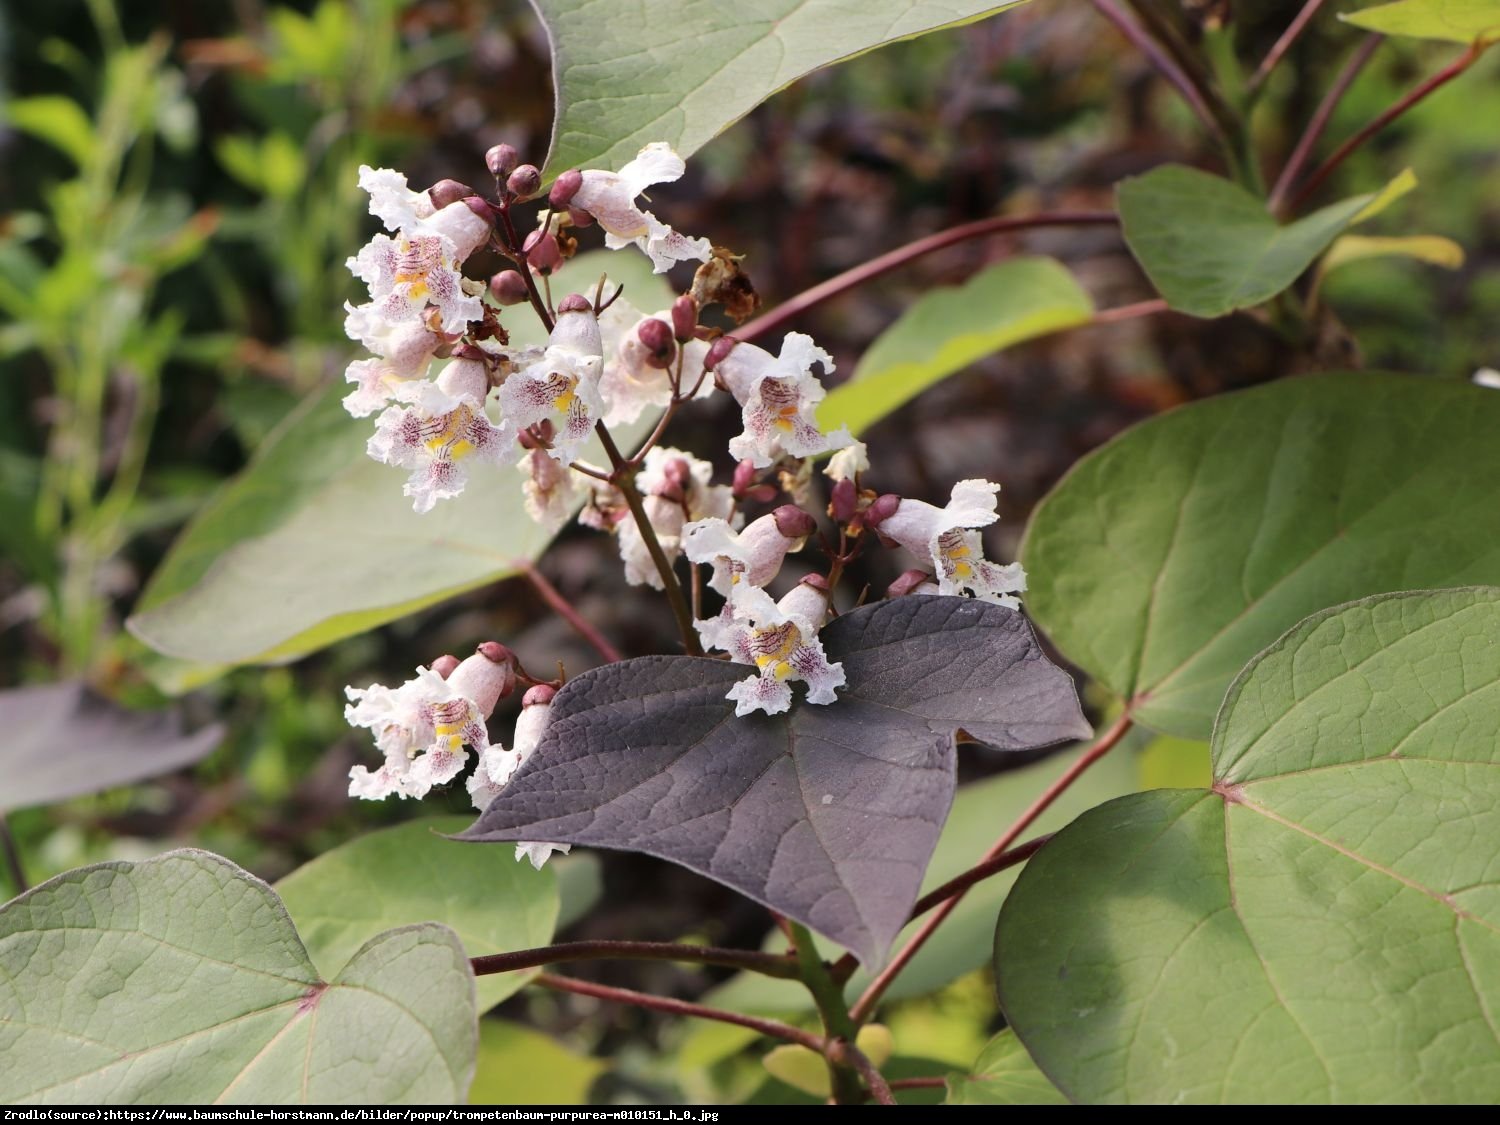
[
  {"x": 314, "y": 542},
  {"x": 1458, "y": 21},
  {"x": 980, "y": 813},
  {"x": 682, "y": 71},
  {"x": 1003, "y": 1075},
  {"x": 1432, "y": 249},
  {"x": 1320, "y": 926},
  {"x": 59, "y": 121},
  {"x": 519, "y": 1066},
  {"x": 1211, "y": 247},
  {"x": 1169, "y": 557},
  {"x": 804, "y": 1069},
  {"x": 412, "y": 873},
  {"x": 180, "y": 980},
  {"x": 952, "y": 327}
]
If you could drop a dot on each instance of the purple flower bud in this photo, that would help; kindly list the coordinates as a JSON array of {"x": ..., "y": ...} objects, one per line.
[
  {"x": 539, "y": 696},
  {"x": 445, "y": 192},
  {"x": 717, "y": 351},
  {"x": 565, "y": 187},
  {"x": 908, "y": 583},
  {"x": 527, "y": 441},
  {"x": 882, "y": 509},
  {"x": 479, "y": 206},
  {"x": 793, "y": 522},
  {"x": 845, "y": 503},
  {"x": 444, "y": 665},
  {"x": 574, "y": 302},
  {"x": 525, "y": 181},
  {"x": 509, "y": 288},
  {"x": 580, "y": 218},
  {"x": 744, "y": 476},
  {"x": 684, "y": 318},
  {"x": 542, "y": 251},
  {"x": 502, "y": 160},
  {"x": 496, "y": 653},
  {"x": 679, "y": 476},
  {"x": 816, "y": 581},
  {"x": 761, "y": 493},
  {"x": 656, "y": 336}
]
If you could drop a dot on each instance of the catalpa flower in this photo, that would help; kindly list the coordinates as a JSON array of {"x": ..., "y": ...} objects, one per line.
[
  {"x": 423, "y": 726},
  {"x": 675, "y": 491},
  {"x": 562, "y": 386},
  {"x": 781, "y": 640},
  {"x": 443, "y": 429},
  {"x": 610, "y": 198},
  {"x": 948, "y": 539},
  {"x": 630, "y": 384},
  {"x": 551, "y": 492},
  {"x": 752, "y": 556},
  {"x": 778, "y": 397},
  {"x": 497, "y": 765},
  {"x": 403, "y": 351}
]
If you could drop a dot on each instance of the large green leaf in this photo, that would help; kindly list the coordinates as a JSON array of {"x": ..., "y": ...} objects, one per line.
[
  {"x": 315, "y": 542},
  {"x": 180, "y": 980},
  {"x": 981, "y": 812},
  {"x": 1211, "y": 247},
  {"x": 682, "y": 71},
  {"x": 1169, "y": 557},
  {"x": 952, "y": 327},
  {"x": 1003, "y": 1075},
  {"x": 1320, "y": 926},
  {"x": 1458, "y": 21},
  {"x": 412, "y": 873}
]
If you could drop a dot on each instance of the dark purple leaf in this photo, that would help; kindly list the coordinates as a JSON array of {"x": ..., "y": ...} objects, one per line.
[
  {"x": 828, "y": 815},
  {"x": 61, "y": 740}
]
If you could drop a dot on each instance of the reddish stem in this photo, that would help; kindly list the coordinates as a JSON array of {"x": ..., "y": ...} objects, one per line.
[
  {"x": 774, "y": 1029},
  {"x": 844, "y": 1053},
  {"x": 1130, "y": 312},
  {"x": 1159, "y": 60},
  {"x": 768, "y": 964},
  {"x": 564, "y": 609},
  {"x": 894, "y": 259},
  {"x": 933, "y": 1083},
  {"x": 1107, "y": 742},
  {"x": 1436, "y": 82},
  {"x": 960, "y": 884},
  {"x": 1284, "y": 44}
]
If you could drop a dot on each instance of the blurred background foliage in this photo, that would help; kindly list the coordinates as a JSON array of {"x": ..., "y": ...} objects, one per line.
[{"x": 178, "y": 196}]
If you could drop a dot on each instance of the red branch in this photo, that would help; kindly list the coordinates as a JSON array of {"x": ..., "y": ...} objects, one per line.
[{"x": 768, "y": 964}]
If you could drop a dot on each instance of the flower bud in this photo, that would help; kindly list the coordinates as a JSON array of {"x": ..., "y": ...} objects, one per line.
[
  {"x": 502, "y": 160},
  {"x": 480, "y": 207},
  {"x": 542, "y": 251},
  {"x": 684, "y": 318},
  {"x": 496, "y": 653},
  {"x": 580, "y": 218},
  {"x": 883, "y": 508},
  {"x": 524, "y": 182},
  {"x": 565, "y": 187},
  {"x": 679, "y": 476},
  {"x": 444, "y": 665},
  {"x": 793, "y": 522},
  {"x": 656, "y": 337},
  {"x": 509, "y": 288},
  {"x": 816, "y": 581},
  {"x": 486, "y": 677},
  {"x": 574, "y": 302},
  {"x": 539, "y": 696},
  {"x": 845, "y": 502},
  {"x": 744, "y": 477},
  {"x": 445, "y": 192},
  {"x": 717, "y": 351},
  {"x": 908, "y": 583},
  {"x": 761, "y": 493}
]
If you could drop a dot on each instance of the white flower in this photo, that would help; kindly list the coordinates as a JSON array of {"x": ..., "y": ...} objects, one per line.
[
  {"x": 443, "y": 428},
  {"x": 403, "y": 352},
  {"x": 1487, "y": 377},
  {"x": 781, "y": 640},
  {"x": 423, "y": 725},
  {"x": 629, "y": 384},
  {"x": 778, "y": 397},
  {"x": 675, "y": 490},
  {"x": 550, "y": 490},
  {"x": 561, "y": 386},
  {"x": 610, "y": 198},
  {"x": 497, "y": 766},
  {"x": 948, "y": 538},
  {"x": 848, "y": 462},
  {"x": 752, "y": 556}
]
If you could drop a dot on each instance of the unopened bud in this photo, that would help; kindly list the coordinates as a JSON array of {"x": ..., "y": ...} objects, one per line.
[
  {"x": 580, "y": 218},
  {"x": 509, "y": 288},
  {"x": 574, "y": 302},
  {"x": 679, "y": 476},
  {"x": 565, "y": 187},
  {"x": 744, "y": 476},
  {"x": 480, "y": 207},
  {"x": 526, "y": 441},
  {"x": 883, "y": 508},
  {"x": 542, "y": 251},
  {"x": 524, "y": 182},
  {"x": 486, "y": 677},
  {"x": 684, "y": 318},
  {"x": 496, "y": 653},
  {"x": 816, "y": 581},
  {"x": 845, "y": 502},
  {"x": 539, "y": 696},
  {"x": 656, "y": 336},
  {"x": 908, "y": 583},
  {"x": 444, "y": 665},
  {"x": 445, "y": 192},
  {"x": 717, "y": 351},
  {"x": 502, "y": 160},
  {"x": 793, "y": 522},
  {"x": 761, "y": 493}
]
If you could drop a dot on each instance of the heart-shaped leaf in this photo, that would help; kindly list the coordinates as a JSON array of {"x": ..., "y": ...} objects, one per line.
[
  {"x": 1165, "y": 560},
  {"x": 828, "y": 814},
  {"x": 407, "y": 874},
  {"x": 1211, "y": 247},
  {"x": 61, "y": 740},
  {"x": 682, "y": 71},
  {"x": 951, "y": 327},
  {"x": 180, "y": 980},
  {"x": 1003, "y": 1075},
  {"x": 1458, "y": 21},
  {"x": 1320, "y": 926}
]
